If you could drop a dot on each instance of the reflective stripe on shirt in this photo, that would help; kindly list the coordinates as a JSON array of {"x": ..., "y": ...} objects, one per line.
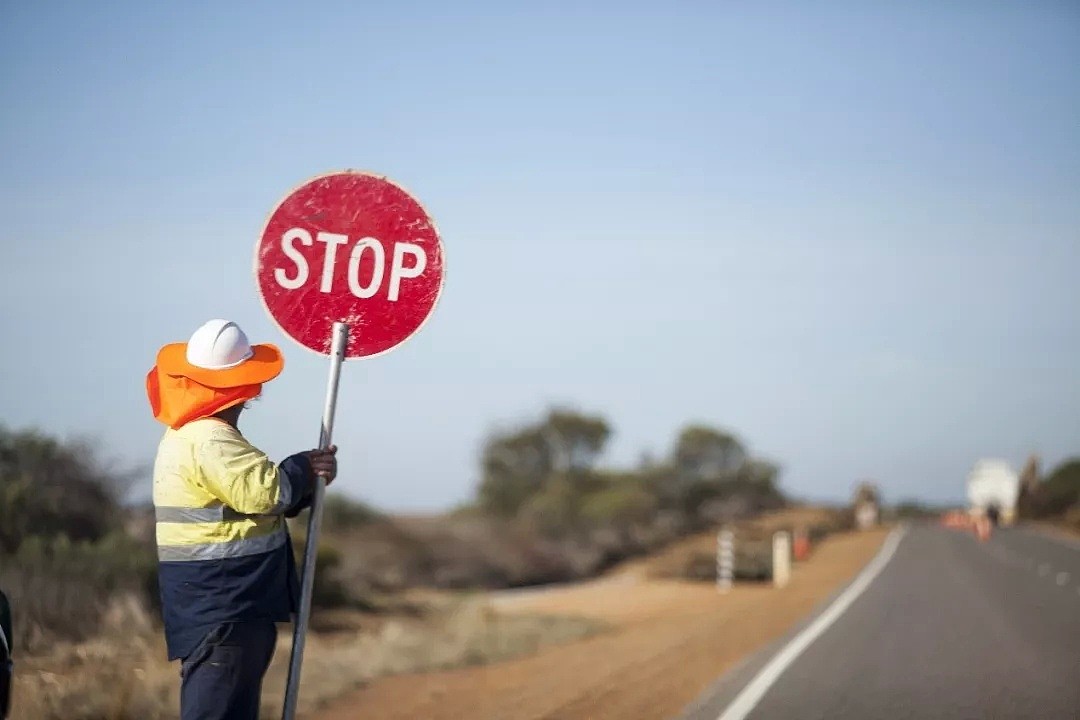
[
  {"x": 216, "y": 512},
  {"x": 220, "y": 550}
]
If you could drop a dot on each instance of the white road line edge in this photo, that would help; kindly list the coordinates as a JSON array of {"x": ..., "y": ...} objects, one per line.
[{"x": 751, "y": 695}]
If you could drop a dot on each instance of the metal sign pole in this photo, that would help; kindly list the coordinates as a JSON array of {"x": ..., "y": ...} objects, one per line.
[{"x": 307, "y": 581}]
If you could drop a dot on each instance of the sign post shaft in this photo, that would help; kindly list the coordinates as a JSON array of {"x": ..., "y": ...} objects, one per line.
[{"x": 339, "y": 342}]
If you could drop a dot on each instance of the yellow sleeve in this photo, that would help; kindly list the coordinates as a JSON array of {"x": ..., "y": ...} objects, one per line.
[{"x": 241, "y": 475}]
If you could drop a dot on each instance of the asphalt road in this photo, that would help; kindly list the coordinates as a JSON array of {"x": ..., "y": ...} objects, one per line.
[{"x": 949, "y": 628}]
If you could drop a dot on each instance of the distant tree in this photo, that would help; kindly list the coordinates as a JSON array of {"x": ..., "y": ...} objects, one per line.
[
  {"x": 50, "y": 489},
  {"x": 514, "y": 466},
  {"x": 546, "y": 474},
  {"x": 555, "y": 510},
  {"x": 712, "y": 476},
  {"x": 342, "y": 513},
  {"x": 1058, "y": 493},
  {"x": 518, "y": 464},
  {"x": 759, "y": 473},
  {"x": 702, "y": 462},
  {"x": 704, "y": 453},
  {"x": 575, "y": 440},
  {"x": 621, "y": 505}
]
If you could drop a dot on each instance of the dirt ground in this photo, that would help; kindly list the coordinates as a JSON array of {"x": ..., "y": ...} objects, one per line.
[
  {"x": 1060, "y": 529},
  {"x": 669, "y": 640}
]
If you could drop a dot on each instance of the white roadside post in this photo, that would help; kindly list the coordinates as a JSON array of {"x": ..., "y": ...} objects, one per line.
[
  {"x": 781, "y": 559},
  {"x": 725, "y": 560},
  {"x": 311, "y": 547}
]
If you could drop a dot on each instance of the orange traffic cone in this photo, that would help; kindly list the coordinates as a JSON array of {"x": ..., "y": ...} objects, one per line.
[{"x": 801, "y": 546}]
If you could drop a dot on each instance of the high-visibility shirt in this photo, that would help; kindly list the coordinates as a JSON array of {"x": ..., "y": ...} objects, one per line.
[{"x": 224, "y": 553}]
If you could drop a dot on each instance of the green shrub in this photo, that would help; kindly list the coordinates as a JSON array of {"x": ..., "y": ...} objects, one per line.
[
  {"x": 1057, "y": 494},
  {"x": 327, "y": 590},
  {"x": 50, "y": 488},
  {"x": 752, "y": 562},
  {"x": 554, "y": 511},
  {"x": 341, "y": 513},
  {"x": 1072, "y": 518},
  {"x": 620, "y": 506},
  {"x": 61, "y": 590}
]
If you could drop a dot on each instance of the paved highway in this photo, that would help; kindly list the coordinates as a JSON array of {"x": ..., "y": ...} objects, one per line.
[{"x": 939, "y": 626}]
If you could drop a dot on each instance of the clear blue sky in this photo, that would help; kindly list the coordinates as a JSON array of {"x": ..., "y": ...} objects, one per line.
[{"x": 852, "y": 235}]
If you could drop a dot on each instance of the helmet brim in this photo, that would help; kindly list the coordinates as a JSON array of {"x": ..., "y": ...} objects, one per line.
[{"x": 265, "y": 364}]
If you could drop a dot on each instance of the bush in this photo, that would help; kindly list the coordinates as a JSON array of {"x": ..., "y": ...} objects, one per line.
[
  {"x": 327, "y": 591},
  {"x": 65, "y": 558},
  {"x": 913, "y": 510},
  {"x": 622, "y": 505},
  {"x": 818, "y": 531},
  {"x": 341, "y": 513},
  {"x": 554, "y": 511},
  {"x": 752, "y": 562},
  {"x": 49, "y": 488},
  {"x": 62, "y": 590},
  {"x": 1072, "y": 518},
  {"x": 1057, "y": 494}
]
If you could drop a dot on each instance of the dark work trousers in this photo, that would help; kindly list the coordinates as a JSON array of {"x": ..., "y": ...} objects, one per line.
[{"x": 222, "y": 678}]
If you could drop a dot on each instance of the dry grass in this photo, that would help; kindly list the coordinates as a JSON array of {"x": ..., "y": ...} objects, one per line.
[
  {"x": 1071, "y": 521},
  {"x": 123, "y": 675},
  {"x": 1066, "y": 527},
  {"x": 462, "y": 633}
]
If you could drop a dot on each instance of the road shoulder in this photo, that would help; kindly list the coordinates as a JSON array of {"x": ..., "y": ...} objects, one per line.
[
  {"x": 721, "y": 697},
  {"x": 669, "y": 641}
]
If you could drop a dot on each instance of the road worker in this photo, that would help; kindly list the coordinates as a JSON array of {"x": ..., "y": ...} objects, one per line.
[{"x": 225, "y": 561}]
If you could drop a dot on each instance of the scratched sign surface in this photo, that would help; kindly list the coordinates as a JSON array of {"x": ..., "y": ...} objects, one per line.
[{"x": 350, "y": 247}]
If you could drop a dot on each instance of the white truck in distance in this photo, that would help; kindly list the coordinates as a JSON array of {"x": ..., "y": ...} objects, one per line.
[{"x": 992, "y": 489}]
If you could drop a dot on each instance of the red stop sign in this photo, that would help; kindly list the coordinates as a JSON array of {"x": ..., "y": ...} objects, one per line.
[{"x": 350, "y": 247}]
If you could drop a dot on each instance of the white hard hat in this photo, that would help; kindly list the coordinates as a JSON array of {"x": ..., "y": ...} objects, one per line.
[
  {"x": 218, "y": 345},
  {"x": 219, "y": 355}
]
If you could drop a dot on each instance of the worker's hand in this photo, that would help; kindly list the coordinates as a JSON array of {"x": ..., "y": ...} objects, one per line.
[{"x": 324, "y": 463}]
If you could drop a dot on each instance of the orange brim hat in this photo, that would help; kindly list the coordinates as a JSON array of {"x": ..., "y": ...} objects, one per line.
[
  {"x": 177, "y": 400},
  {"x": 265, "y": 364}
]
